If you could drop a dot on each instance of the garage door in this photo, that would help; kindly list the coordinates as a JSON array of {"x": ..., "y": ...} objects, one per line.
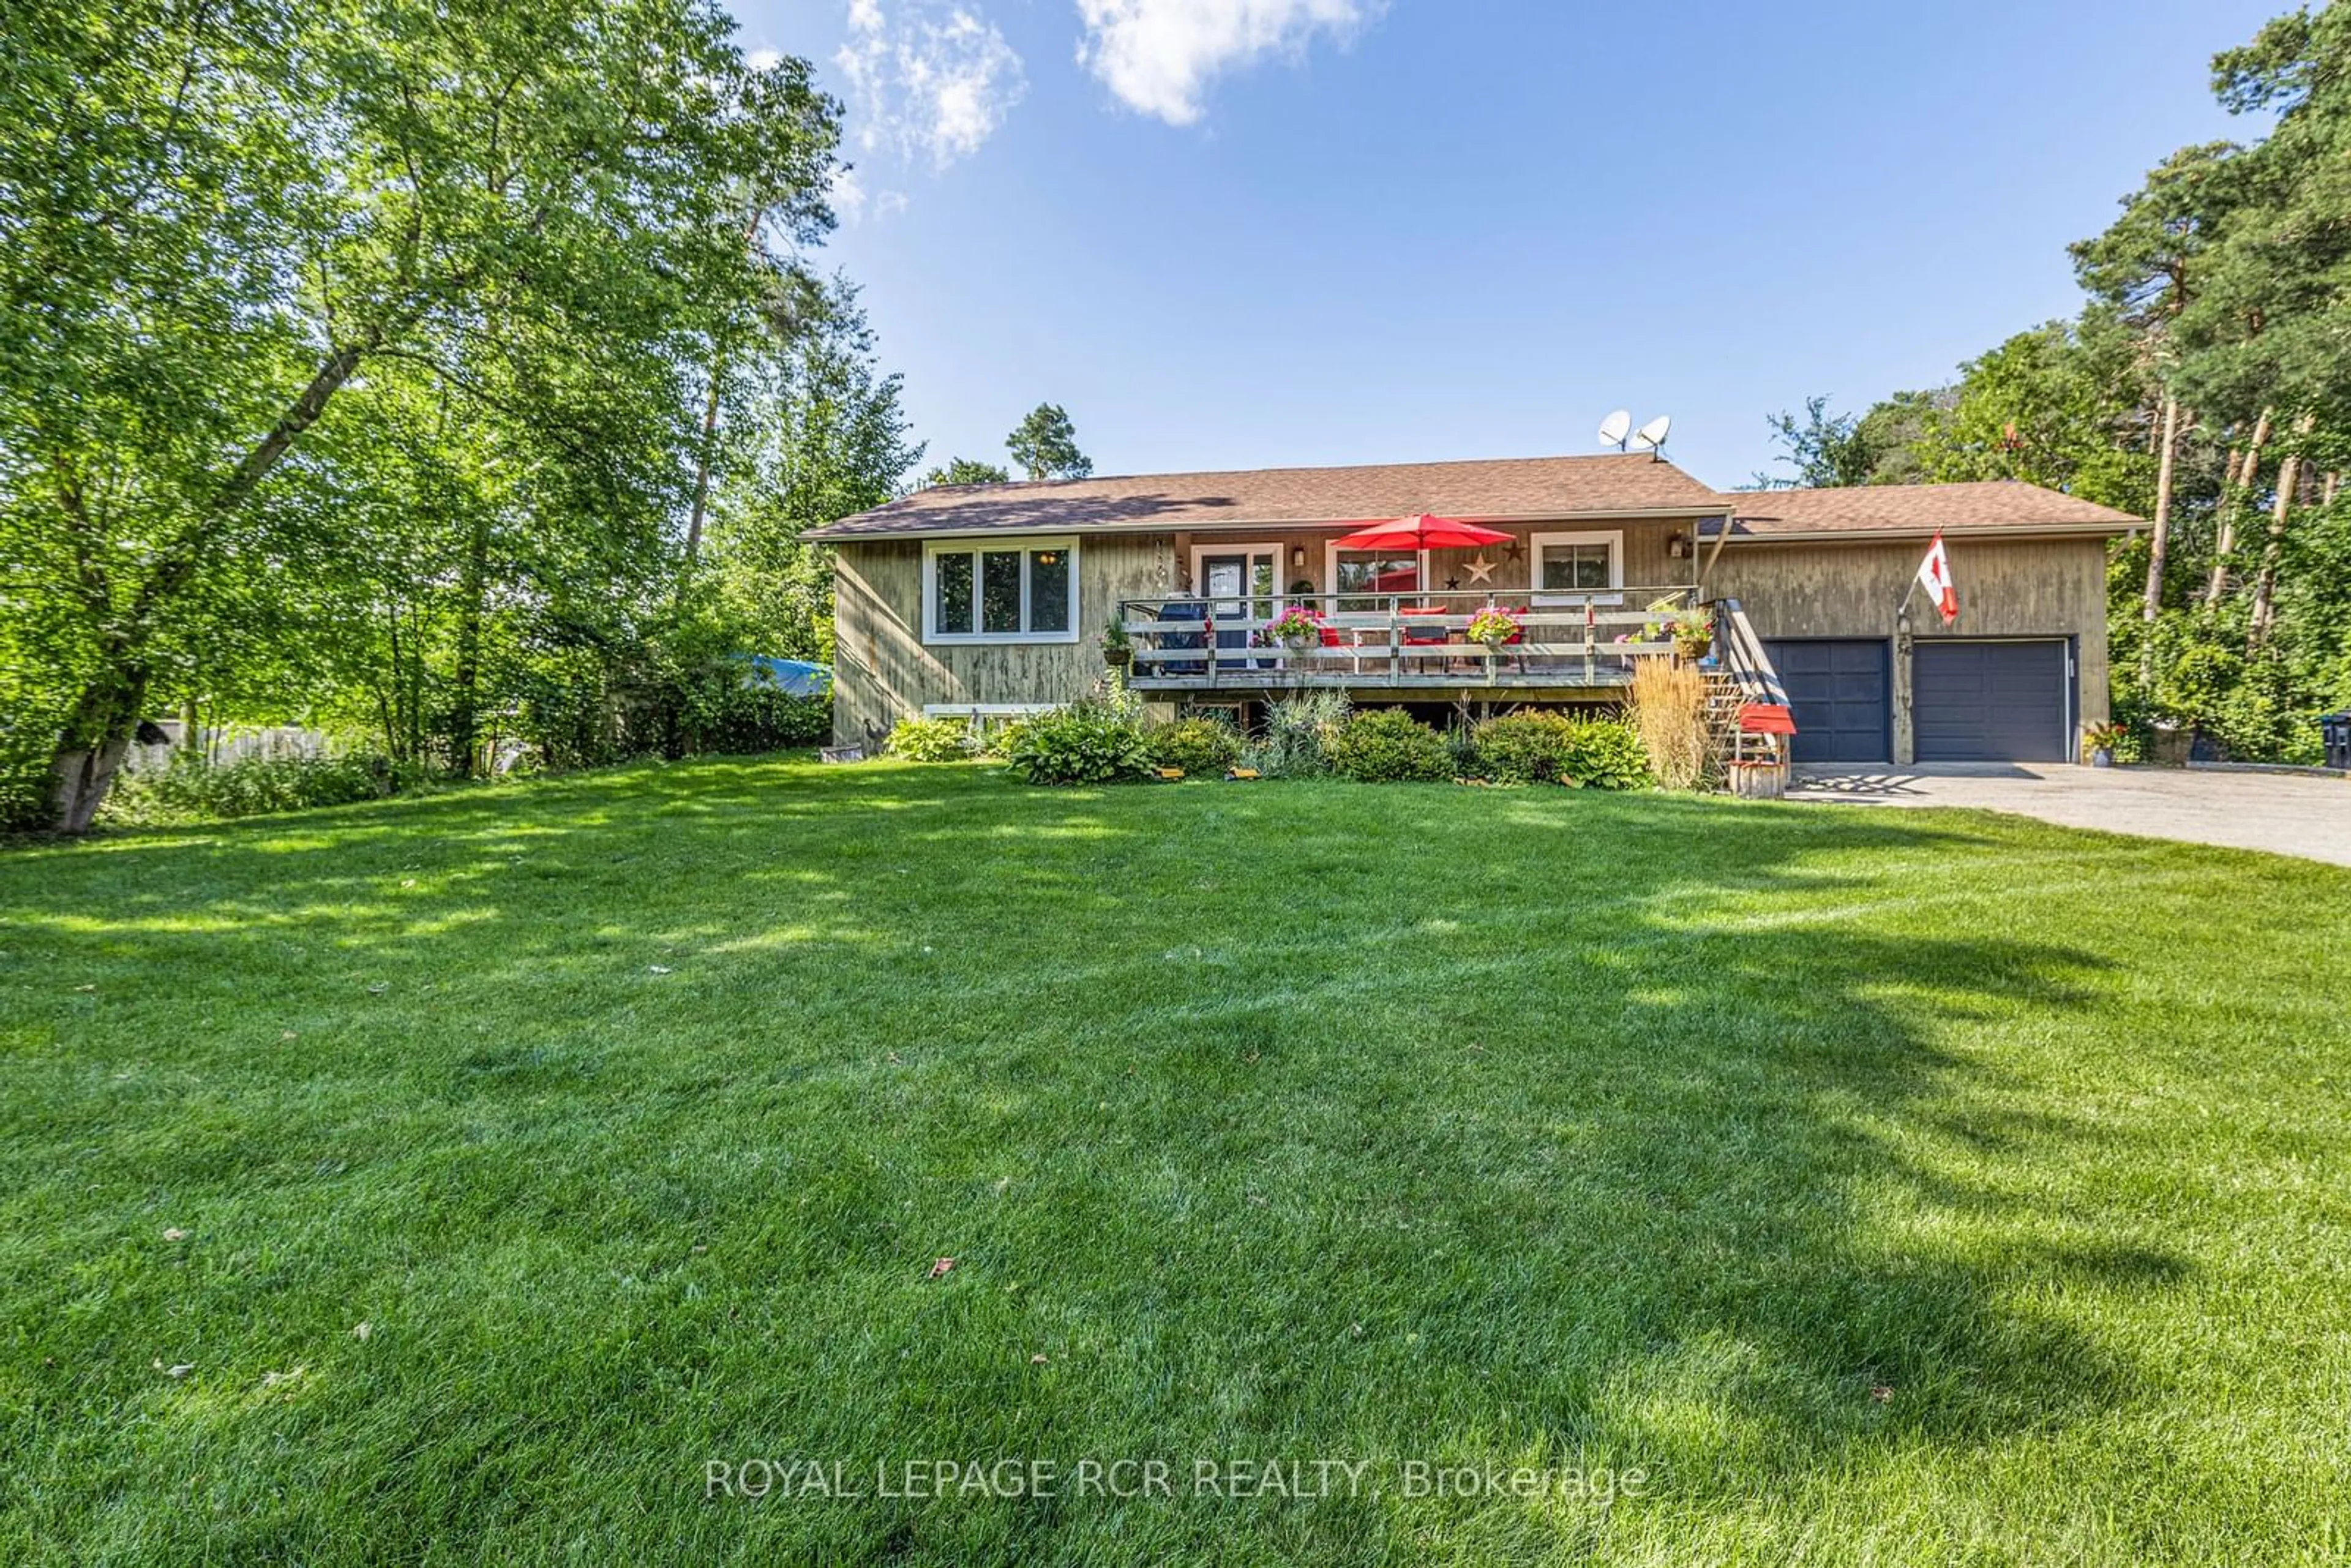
[
  {"x": 1991, "y": 702},
  {"x": 1839, "y": 691}
]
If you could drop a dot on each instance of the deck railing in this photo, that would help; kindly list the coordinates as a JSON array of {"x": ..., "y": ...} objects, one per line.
[
  {"x": 1187, "y": 643},
  {"x": 1743, "y": 655},
  {"x": 1750, "y": 676}
]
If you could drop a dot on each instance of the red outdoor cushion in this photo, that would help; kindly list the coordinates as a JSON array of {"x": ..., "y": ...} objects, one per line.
[{"x": 1766, "y": 719}]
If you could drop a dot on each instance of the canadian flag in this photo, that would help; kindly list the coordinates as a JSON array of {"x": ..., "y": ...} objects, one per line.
[{"x": 1935, "y": 576}]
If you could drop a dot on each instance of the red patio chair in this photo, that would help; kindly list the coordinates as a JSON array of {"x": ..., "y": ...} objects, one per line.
[{"x": 1425, "y": 636}]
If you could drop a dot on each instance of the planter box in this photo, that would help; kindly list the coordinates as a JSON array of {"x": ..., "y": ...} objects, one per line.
[{"x": 1758, "y": 781}]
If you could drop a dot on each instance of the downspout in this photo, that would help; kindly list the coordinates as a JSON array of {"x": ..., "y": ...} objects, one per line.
[{"x": 1706, "y": 572}]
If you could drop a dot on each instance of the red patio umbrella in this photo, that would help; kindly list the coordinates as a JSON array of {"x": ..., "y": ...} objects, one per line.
[{"x": 1423, "y": 533}]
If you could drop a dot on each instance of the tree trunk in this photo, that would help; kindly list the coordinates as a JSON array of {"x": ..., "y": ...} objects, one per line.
[
  {"x": 466, "y": 678},
  {"x": 2158, "y": 539},
  {"x": 2225, "y": 545},
  {"x": 90, "y": 750},
  {"x": 2289, "y": 489},
  {"x": 710, "y": 417},
  {"x": 701, "y": 461}
]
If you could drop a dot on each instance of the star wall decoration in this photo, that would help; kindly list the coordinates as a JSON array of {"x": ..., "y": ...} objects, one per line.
[
  {"x": 1515, "y": 551},
  {"x": 1481, "y": 570}
]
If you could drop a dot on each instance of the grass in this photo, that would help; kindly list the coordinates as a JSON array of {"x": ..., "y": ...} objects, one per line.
[{"x": 1920, "y": 1187}]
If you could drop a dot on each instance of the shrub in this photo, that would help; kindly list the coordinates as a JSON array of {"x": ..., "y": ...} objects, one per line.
[
  {"x": 997, "y": 741},
  {"x": 1298, "y": 731},
  {"x": 577, "y": 711},
  {"x": 930, "y": 739},
  {"x": 1196, "y": 746},
  {"x": 719, "y": 711},
  {"x": 1604, "y": 754},
  {"x": 1388, "y": 746},
  {"x": 1526, "y": 748},
  {"x": 189, "y": 790},
  {"x": 1669, "y": 714},
  {"x": 25, "y": 785},
  {"x": 1093, "y": 741}
]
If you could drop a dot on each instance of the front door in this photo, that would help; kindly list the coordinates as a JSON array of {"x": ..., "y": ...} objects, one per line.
[{"x": 1238, "y": 585}]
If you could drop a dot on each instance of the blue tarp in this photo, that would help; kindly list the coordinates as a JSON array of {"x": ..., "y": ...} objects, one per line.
[{"x": 797, "y": 676}]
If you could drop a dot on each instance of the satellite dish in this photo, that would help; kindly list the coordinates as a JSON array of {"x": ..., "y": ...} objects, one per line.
[
  {"x": 1612, "y": 429},
  {"x": 1651, "y": 437}
]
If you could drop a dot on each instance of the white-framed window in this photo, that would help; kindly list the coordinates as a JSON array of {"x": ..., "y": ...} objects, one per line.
[
  {"x": 1567, "y": 567},
  {"x": 1000, "y": 590}
]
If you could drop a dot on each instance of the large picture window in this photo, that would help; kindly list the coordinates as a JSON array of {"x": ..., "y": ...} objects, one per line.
[
  {"x": 1015, "y": 591},
  {"x": 1577, "y": 564},
  {"x": 1372, "y": 575}
]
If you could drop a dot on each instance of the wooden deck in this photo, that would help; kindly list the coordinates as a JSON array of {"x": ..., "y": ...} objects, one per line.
[{"x": 1571, "y": 644}]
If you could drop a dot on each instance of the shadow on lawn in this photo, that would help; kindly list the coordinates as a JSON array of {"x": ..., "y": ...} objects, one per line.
[{"x": 1620, "y": 1129}]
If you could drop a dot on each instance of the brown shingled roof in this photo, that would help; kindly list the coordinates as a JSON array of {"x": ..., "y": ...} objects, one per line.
[
  {"x": 2003, "y": 506},
  {"x": 1510, "y": 488}
]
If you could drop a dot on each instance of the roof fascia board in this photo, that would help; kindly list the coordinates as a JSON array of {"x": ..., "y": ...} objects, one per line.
[
  {"x": 835, "y": 533},
  {"x": 1929, "y": 530}
]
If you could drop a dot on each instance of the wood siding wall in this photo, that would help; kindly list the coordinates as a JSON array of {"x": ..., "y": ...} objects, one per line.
[
  {"x": 2013, "y": 587},
  {"x": 1646, "y": 564},
  {"x": 883, "y": 672}
]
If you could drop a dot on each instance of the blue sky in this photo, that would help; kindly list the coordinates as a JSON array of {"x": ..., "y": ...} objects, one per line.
[{"x": 1227, "y": 234}]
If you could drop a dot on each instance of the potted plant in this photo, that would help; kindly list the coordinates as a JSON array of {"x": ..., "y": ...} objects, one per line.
[
  {"x": 1118, "y": 648},
  {"x": 1692, "y": 632},
  {"x": 2099, "y": 741},
  {"x": 1297, "y": 628},
  {"x": 1493, "y": 626},
  {"x": 1694, "y": 635}
]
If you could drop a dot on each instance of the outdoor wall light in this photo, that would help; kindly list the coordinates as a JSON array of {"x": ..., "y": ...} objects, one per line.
[
  {"x": 1298, "y": 555},
  {"x": 1678, "y": 545}
]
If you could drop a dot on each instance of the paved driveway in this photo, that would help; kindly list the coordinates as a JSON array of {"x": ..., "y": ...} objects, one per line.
[{"x": 2287, "y": 814}]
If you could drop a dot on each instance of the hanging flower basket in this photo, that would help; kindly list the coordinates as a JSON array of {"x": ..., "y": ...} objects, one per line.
[
  {"x": 1494, "y": 626},
  {"x": 1692, "y": 632},
  {"x": 1297, "y": 628}
]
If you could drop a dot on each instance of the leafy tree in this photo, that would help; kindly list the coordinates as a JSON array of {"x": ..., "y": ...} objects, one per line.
[
  {"x": 966, "y": 471},
  {"x": 1045, "y": 446},
  {"x": 1826, "y": 450},
  {"x": 2144, "y": 269},
  {"x": 221, "y": 219},
  {"x": 823, "y": 435},
  {"x": 2051, "y": 407}
]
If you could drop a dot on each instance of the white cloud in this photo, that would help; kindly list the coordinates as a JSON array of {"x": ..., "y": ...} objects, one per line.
[
  {"x": 852, "y": 202},
  {"x": 933, "y": 80},
  {"x": 764, "y": 59},
  {"x": 846, "y": 195},
  {"x": 1159, "y": 55}
]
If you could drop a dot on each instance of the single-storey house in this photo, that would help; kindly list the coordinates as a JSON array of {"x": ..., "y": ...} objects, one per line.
[{"x": 995, "y": 599}]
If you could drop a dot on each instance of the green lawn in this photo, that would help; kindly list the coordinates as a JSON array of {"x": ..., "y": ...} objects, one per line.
[{"x": 1886, "y": 1187}]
